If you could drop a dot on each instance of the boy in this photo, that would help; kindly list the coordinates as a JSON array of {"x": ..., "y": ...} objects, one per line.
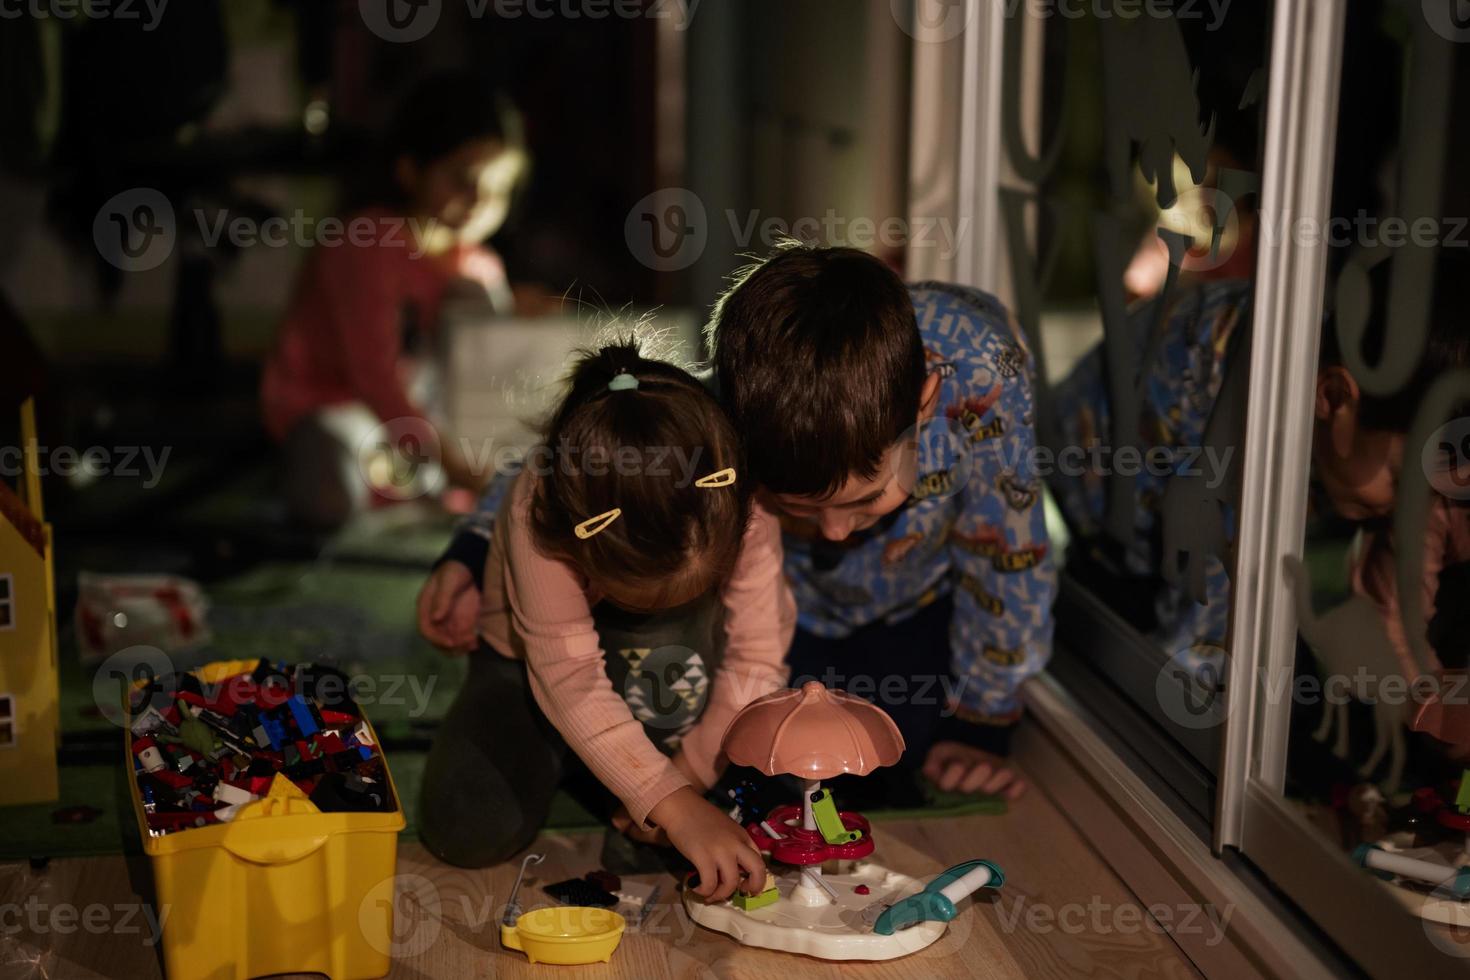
[
  {"x": 892, "y": 429},
  {"x": 1358, "y": 450}
]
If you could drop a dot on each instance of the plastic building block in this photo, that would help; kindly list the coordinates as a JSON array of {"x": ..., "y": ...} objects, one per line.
[
  {"x": 270, "y": 732},
  {"x": 824, "y": 811},
  {"x": 1462, "y": 798},
  {"x": 749, "y": 903},
  {"x": 229, "y": 794},
  {"x": 302, "y": 714},
  {"x": 605, "y": 880},
  {"x": 576, "y": 891}
]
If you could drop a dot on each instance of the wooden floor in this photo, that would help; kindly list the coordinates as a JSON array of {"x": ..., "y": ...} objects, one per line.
[{"x": 1062, "y": 913}]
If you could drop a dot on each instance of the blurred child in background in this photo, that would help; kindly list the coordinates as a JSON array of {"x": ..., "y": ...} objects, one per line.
[{"x": 355, "y": 349}]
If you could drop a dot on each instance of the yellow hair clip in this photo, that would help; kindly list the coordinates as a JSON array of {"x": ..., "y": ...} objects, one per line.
[
  {"x": 596, "y": 525},
  {"x": 723, "y": 478}
]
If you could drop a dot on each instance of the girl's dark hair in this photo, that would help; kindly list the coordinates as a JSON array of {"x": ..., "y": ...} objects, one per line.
[{"x": 641, "y": 450}]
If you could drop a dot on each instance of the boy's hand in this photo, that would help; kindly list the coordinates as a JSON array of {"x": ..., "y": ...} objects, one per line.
[
  {"x": 718, "y": 847},
  {"x": 960, "y": 768},
  {"x": 449, "y": 608}
]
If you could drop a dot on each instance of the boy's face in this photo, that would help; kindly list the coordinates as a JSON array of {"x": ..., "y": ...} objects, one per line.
[
  {"x": 467, "y": 191},
  {"x": 1358, "y": 468},
  {"x": 861, "y": 501}
]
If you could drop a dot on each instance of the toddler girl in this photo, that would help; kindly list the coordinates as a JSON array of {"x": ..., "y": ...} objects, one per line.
[{"x": 632, "y": 603}]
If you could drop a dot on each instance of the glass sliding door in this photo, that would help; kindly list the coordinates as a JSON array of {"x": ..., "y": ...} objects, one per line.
[
  {"x": 1352, "y": 545},
  {"x": 1126, "y": 236}
]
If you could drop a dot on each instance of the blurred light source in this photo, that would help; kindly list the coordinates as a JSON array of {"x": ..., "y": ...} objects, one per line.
[{"x": 316, "y": 116}]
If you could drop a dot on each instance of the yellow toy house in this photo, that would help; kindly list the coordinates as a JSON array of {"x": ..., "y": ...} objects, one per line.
[{"x": 29, "y": 715}]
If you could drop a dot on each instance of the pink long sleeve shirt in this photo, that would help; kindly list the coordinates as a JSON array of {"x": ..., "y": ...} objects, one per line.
[
  {"x": 539, "y": 609},
  {"x": 1373, "y": 567}
]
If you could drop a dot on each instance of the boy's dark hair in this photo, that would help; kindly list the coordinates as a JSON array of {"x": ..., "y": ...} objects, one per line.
[
  {"x": 819, "y": 364},
  {"x": 642, "y": 449},
  {"x": 436, "y": 116},
  {"x": 1446, "y": 341},
  {"x": 443, "y": 112}
]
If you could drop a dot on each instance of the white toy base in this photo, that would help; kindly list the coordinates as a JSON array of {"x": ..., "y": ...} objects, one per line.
[
  {"x": 1421, "y": 899},
  {"x": 830, "y": 931}
]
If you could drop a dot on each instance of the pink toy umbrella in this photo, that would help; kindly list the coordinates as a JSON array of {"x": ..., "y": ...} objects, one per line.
[{"x": 815, "y": 734}]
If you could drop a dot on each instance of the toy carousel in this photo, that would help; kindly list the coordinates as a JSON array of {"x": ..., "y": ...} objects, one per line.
[{"x": 824, "y": 897}]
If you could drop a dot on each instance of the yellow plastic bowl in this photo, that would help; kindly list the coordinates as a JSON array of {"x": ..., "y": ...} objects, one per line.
[{"x": 565, "y": 934}]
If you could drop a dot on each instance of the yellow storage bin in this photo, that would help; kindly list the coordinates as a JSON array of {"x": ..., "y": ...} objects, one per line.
[{"x": 282, "y": 888}]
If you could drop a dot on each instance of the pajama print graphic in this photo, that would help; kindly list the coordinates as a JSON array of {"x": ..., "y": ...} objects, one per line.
[
  {"x": 1180, "y": 388},
  {"x": 973, "y": 527}
]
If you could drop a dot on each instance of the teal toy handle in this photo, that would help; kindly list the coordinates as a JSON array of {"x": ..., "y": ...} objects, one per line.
[{"x": 936, "y": 903}]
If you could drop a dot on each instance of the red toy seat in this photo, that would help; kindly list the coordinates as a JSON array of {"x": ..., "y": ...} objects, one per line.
[{"x": 801, "y": 846}]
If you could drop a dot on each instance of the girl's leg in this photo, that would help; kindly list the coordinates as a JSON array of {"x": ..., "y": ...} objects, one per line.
[{"x": 494, "y": 766}]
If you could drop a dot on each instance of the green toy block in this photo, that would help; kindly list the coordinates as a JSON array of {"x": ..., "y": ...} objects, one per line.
[
  {"x": 1462, "y": 798},
  {"x": 824, "y": 811},
  {"x": 749, "y": 903}
]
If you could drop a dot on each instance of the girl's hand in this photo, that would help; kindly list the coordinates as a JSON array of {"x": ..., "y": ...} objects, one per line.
[
  {"x": 718, "y": 847},
  {"x": 449, "y": 608},
  {"x": 681, "y": 763}
]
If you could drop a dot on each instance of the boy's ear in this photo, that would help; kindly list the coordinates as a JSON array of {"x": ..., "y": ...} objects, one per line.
[
  {"x": 1337, "y": 389},
  {"x": 929, "y": 396},
  {"x": 1336, "y": 406}
]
